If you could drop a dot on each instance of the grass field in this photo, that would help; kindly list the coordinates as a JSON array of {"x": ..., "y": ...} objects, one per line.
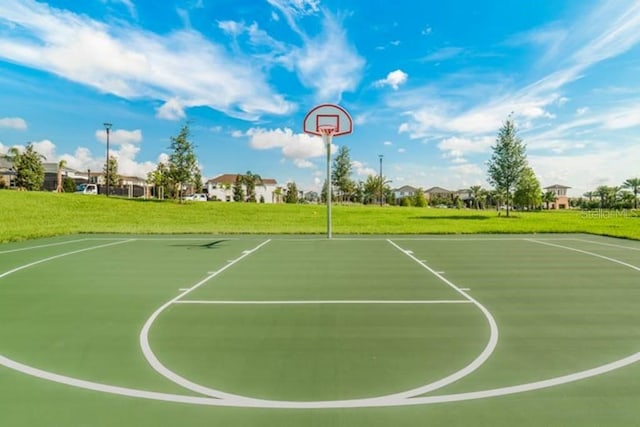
[
  {"x": 32, "y": 215},
  {"x": 282, "y": 330}
]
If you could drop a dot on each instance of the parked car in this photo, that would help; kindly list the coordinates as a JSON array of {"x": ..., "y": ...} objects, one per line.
[
  {"x": 198, "y": 197},
  {"x": 87, "y": 189}
]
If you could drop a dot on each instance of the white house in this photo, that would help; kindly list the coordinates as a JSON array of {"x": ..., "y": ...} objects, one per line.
[{"x": 221, "y": 188}]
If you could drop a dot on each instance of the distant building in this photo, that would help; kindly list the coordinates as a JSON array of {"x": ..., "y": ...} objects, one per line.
[
  {"x": 438, "y": 193},
  {"x": 404, "y": 191},
  {"x": 562, "y": 200},
  {"x": 221, "y": 188}
]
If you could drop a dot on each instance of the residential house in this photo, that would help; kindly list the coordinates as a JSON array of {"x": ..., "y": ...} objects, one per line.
[
  {"x": 438, "y": 195},
  {"x": 221, "y": 188},
  {"x": 562, "y": 200},
  {"x": 404, "y": 191},
  {"x": 7, "y": 174}
]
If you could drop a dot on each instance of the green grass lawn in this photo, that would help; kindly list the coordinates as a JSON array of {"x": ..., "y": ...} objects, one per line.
[{"x": 27, "y": 215}]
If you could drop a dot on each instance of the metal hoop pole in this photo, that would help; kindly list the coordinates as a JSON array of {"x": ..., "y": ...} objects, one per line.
[{"x": 327, "y": 140}]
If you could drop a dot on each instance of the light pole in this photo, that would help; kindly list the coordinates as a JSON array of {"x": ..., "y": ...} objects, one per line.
[
  {"x": 380, "y": 156},
  {"x": 107, "y": 127}
]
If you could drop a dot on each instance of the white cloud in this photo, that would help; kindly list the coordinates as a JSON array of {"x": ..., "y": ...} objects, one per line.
[
  {"x": 298, "y": 146},
  {"x": 393, "y": 79},
  {"x": 427, "y": 30},
  {"x": 303, "y": 163},
  {"x": 133, "y": 63},
  {"x": 120, "y": 136},
  {"x": 402, "y": 150},
  {"x": 13, "y": 123},
  {"x": 582, "y": 111},
  {"x": 388, "y": 143},
  {"x": 361, "y": 169},
  {"x": 456, "y": 146}
]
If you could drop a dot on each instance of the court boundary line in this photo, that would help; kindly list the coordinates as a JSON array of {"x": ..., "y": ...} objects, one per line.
[
  {"x": 43, "y": 246},
  {"x": 320, "y": 302},
  {"x": 607, "y": 244},
  {"x": 569, "y": 248},
  {"x": 31, "y": 264}
]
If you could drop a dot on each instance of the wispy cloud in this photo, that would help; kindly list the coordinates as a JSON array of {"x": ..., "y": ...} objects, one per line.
[
  {"x": 181, "y": 68},
  {"x": 443, "y": 54}
]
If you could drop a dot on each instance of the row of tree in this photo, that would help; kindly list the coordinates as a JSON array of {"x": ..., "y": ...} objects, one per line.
[{"x": 615, "y": 197}]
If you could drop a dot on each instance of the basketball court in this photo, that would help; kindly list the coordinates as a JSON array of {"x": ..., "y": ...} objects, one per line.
[{"x": 286, "y": 330}]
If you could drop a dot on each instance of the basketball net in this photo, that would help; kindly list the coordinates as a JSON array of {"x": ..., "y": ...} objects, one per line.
[{"x": 327, "y": 130}]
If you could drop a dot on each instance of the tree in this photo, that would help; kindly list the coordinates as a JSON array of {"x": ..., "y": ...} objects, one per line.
[
  {"x": 603, "y": 193},
  {"x": 159, "y": 178},
  {"x": 372, "y": 187},
  {"x": 68, "y": 185},
  {"x": 111, "y": 172},
  {"x": 508, "y": 160},
  {"x": 419, "y": 200},
  {"x": 61, "y": 165},
  {"x": 238, "y": 192},
  {"x": 291, "y": 195},
  {"x": 29, "y": 169},
  {"x": 548, "y": 197},
  {"x": 633, "y": 184},
  {"x": 250, "y": 180},
  {"x": 183, "y": 164},
  {"x": 476, "y": 194},
  {"x": 528, "y": 193},
  {"x": 341, "y": 174}
]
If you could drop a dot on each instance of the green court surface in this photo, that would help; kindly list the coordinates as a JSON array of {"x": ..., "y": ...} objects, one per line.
[{"x": 527, "y": 330}]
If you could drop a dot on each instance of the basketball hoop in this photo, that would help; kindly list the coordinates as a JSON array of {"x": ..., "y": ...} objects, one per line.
[{"x": 327, "y": 130}]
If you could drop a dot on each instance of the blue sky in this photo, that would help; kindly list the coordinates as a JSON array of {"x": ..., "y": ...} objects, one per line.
[{"x": 428, "y": 85}]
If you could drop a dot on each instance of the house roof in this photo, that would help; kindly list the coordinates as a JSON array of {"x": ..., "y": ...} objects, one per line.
[
  {"x": 230, "y": 178},
  {"x": 437, "y": 190},
  {"x": 556, "y": 186},
  {"x": 406, "y": 188}
]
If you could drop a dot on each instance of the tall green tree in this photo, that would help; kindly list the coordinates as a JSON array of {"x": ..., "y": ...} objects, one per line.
[
  {"x": 528, "y": 193},
  {"x": 183, "y": 164},
  {"x": 238, "y": 191},
  {"x": 341, "y": 174},
  {"x": 250, "y": 180},
  {"x": 291, "y": 196},
  {"x": 633, "y": 184},
  {"x": 111, "y": 172},
  {"x": 508, "y": 161},
  {"x": 29, "y": 169}
]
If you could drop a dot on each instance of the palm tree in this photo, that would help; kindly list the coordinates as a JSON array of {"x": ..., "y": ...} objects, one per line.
[
  {"x": 614, "y": 195},
  {"x": 61, "y": 165},
  {"x": 603, "y": 193},
  {"x": 476, "y": 194},
  {"x": 549, "y": 197},
  {"x": 634, "y": 185},
  {"x": 590, "y": 195}
]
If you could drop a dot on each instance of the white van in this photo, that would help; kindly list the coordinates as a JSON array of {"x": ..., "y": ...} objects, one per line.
[{"x": 87, "y": 189}]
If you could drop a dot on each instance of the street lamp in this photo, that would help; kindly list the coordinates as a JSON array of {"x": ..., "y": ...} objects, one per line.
[
  {"x": 107, "y": 127},
  {"x": 380, "y": 156}
]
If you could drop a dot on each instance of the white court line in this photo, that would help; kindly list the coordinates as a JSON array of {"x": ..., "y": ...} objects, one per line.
[
  {"x": 166, "y": 372},
  {"x": 477, "y": 362},
  {"x": 569, "y": 248},
  {"x": 607, "y": 244},
  {"x": 294, "y": 302},
  {"x": 43, "y": 246},
  {"x": 359, "y": 403},
  {"x": 22, "y": 267}
]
